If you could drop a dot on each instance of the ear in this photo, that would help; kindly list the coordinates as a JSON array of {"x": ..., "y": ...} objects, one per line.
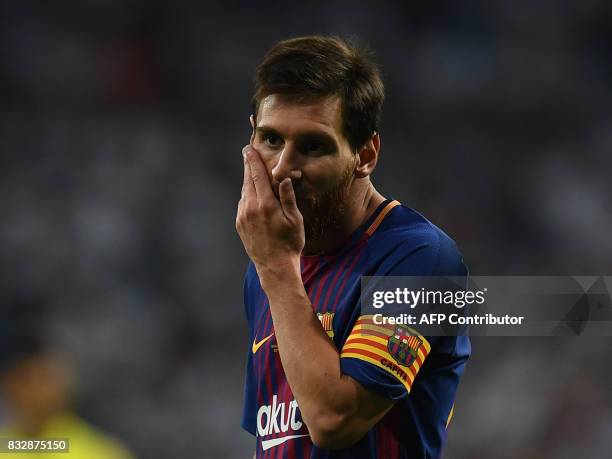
[
  {"x": 368, "y": 156},
  {"x": 252, "y": 120}
]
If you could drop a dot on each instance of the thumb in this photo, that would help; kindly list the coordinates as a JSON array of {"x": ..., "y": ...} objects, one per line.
[{"x": 287, "y": 199}]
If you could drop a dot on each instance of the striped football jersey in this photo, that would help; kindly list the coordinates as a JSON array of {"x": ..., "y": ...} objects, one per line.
[{"x": 420, "y": 373}]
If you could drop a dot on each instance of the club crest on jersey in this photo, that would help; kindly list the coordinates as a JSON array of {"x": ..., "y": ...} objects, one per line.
[
  {"x": 327, "y": 319},
  {"x": 404, "y": 346}
]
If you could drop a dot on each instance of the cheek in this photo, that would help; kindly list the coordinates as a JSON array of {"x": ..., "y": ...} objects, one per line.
[
  {"x": 268, "y": 156},
  {"x": 267, "y": 153},
  {"x": 269, "y": 161},
  {"x": 324, "y": 175}
]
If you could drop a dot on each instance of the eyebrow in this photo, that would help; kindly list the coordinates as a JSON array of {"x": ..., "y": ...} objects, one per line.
[{"x": 301, "y": 135}]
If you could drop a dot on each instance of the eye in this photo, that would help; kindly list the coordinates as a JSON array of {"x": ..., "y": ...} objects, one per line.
[
  {"x": 313, "y": 148},
  {"x": 272, "y": 140}
]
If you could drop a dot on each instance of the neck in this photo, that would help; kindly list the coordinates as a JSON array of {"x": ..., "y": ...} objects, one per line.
[
  {"x": 359, "y": 208},
  {"x": 31, "y": 425},
  {"x": 33, "y": 422}
]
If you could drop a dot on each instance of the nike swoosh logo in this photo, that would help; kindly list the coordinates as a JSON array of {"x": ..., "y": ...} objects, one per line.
[
  {"x": 267, "y": 444},
  {"x": 257, "y": 345}
]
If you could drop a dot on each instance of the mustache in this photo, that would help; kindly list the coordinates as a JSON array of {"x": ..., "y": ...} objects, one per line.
[{"x": 300, "y": 193}]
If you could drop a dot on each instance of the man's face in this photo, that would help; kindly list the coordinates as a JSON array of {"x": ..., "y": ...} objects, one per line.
[
  {"x": 37, "y": 386},
  {"x": 304, "y": 141}
]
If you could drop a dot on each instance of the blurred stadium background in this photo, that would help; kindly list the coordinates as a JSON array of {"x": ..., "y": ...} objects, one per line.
[{"x": 121, "y": 124}]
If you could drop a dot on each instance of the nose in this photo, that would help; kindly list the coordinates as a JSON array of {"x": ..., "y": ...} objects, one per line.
[{"x": 287, "y": 166}]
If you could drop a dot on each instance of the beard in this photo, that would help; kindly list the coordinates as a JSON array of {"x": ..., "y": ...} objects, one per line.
[{"x": 324, "y": 212}]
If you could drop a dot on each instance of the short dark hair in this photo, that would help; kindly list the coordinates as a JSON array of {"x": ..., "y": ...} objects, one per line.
[
  {"x": 319, "y": 66},
  {"x": 21, "y": 328}
]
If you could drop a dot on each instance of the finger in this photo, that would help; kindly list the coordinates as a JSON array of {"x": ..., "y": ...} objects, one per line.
[
  {"x": 287, "y": 200},
  {"x": 259, "y": 175},
  {"x": 248, "y": 188}
]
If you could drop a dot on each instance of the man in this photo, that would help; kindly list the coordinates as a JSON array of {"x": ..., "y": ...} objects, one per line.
[
  {"x": 36, "y": 386},
  {"x": 322, "y": 380}
]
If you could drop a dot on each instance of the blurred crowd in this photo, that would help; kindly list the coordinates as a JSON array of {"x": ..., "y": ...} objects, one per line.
[{"x": 121, "y": 124}]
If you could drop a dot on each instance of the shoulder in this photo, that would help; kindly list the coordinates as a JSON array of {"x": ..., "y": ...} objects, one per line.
[{"x": 412, "y": 245}]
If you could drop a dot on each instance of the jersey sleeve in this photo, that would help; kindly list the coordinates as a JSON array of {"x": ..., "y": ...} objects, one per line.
[
  {"x": 249, "y": 407},
  {"x": 387, "y": 358},
  {"x": 367, "y": 357}
]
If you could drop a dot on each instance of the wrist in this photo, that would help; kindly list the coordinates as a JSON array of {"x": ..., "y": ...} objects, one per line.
[{"x": 279, "y": 274}]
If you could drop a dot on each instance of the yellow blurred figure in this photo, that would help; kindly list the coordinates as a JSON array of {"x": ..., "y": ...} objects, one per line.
[{"x": 36, "y": 389}]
